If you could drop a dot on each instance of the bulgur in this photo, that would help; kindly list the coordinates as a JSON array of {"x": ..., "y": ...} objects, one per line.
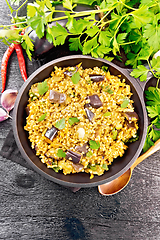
[{"x": 85, "y": 137}]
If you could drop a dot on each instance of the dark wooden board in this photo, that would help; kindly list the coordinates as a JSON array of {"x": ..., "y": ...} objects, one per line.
[{"x": 31, "y": 207}]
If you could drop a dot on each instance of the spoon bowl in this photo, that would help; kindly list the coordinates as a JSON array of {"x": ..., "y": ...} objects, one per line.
[{"x": 121, "y": 182}]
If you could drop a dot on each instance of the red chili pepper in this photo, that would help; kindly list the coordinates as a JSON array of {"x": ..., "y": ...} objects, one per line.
[
  {"x": 5, "y": 59},
  {"x": 21, "y": 61}
]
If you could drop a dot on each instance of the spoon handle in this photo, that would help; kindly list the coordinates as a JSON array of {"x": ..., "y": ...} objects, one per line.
[{"x": 150, "y": 151}]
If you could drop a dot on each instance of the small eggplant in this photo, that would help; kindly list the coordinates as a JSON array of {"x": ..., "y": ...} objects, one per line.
[
  {"x": 95, "y": 101},
  {"x": 42, "y": 46},
  {"x": 96, "y": 78},
  {"x": 56, "y": 97},
  {"x": 51, "y": 133},
  {"x": 73, "y": 156},
  {"x": 89, "y": 114}
]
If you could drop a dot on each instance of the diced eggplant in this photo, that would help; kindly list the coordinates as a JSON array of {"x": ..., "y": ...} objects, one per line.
[
  {"x": 95, "y": 101},
  {"x": 130, "y": 124},
  {"x": 77, "y": 167},
  {"x": 56, "y": 97},
  {"x": 96, "y": 78},
  {"x": 82, "y": 149},
  {"x": 73, "y": 156},
  {"x": 27, "y": 111},
  {"x": 51, "y": 133},
  {"x": 90, "y": 114},
  {"x": 71, "y": 72},
  {"x": 131, "y": 116}
]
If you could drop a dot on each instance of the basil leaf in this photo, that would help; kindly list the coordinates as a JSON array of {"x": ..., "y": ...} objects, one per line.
[
  {"x": 42, "y": 117},
  {"x": 125, "y": 103},
  {"x": 60, "y": 153},
  {"x": 73, "y": 120},
  {"x": 42, "y": 87},
  {"x": 75, "y": 78},
  {"x": 60, "y": 124},
  {"x": 93, "y": 144}
]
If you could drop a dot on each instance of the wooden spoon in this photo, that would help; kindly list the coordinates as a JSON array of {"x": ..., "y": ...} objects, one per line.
[{"x": 119, "y": 183}]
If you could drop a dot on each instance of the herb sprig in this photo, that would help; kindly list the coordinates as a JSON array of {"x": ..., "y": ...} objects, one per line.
[{"x": 132, "y": 26}]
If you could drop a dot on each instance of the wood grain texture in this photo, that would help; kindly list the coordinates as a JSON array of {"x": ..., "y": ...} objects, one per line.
[{"x": 32, "y": 207}]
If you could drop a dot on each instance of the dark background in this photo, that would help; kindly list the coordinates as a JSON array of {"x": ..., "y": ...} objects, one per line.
[{"x": 31, "y": 207}]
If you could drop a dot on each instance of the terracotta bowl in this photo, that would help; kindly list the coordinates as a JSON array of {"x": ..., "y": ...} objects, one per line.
[{"x": 120, "y": 165}]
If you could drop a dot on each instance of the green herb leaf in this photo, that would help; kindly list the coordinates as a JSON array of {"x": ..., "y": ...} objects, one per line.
[
  {"x": 89, "y": 154},
  {"x": 114, "y": 134},
  {"x": 92, "y": 167},
  {"x": 75, "y": 78},
  {"x": 60, "y": 124},
  {"x": 42, "y": 117},
  {"x": 153, "y": 95},
  {"x": 56, "y": 169},
  {"x": 94, "y": 145},
  {"x": 105, "y": 166},
  {"x": 73, "y": 120},
  {"x": 108, "y": 90},
  {"x": 61, "y": 153},
  {"x": 148, "y": 143},
  {"x": 42, "y": 87},
  {"x": 153, "y": 111},
  {"x": 140, "y": 72},
  {"x": 107, "y": 114},
  {"x": 125, "y": 103}
]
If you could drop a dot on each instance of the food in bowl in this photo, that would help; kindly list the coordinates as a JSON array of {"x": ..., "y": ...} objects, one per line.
[{"x": 80, "y": 120}]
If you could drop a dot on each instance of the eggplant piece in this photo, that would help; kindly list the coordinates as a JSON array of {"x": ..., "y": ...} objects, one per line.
[
  {"x": 95, "y": 101},
  {"x": 96, "y": 78},
  {"x": 82, "y": 149},
  {"x": 76, "y": 157},
  {"x": 27, "y": 111},
  {"x": 42, "y": 46},
  {"x": 89, "y": 114},
  {"x": 51, "y": 133},
  {"x": 131, "y": 116},
  {"x": 56, "y": 97},
  {"x": 77, "y": 167},
  {"x": 71, "y": 72},
  {"x": 130, "y": 124}
]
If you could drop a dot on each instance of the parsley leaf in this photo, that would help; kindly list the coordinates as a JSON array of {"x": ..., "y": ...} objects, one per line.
[
  {"x": 105, "y": 166},
  {"x": 60, "y": 153},
  {"x": 94, "y": 145},
  {"x": 153, "y": 95},
  {"x": 42, "y": 117},
  {"x": 73, "y": 120},
  {"x": 60, "y": 124},
  {"x": 108, "y": 90},
  {"x": 114, "y": 134},
  {"x": 107, "y": 114},
  {"x": 125, "y": 103},
  {"x": 140, "y": 72},
  {"x": 75, "y": 78},
  {"x": 148, "y": 143},
  {"x": 153, "y": 111},
  {"x": 42, "y": 87}
]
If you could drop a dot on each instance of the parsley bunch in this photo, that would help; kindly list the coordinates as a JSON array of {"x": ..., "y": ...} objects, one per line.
[{"x": 132, "y": 26}]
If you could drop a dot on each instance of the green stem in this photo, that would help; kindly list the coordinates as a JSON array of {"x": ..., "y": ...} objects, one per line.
[
  {"x": 11, "y": 9},
  {"x": 22, "y": 5}
]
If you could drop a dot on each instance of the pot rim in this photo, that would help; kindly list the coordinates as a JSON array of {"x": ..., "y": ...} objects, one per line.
[{"x": 59, "y": 181}]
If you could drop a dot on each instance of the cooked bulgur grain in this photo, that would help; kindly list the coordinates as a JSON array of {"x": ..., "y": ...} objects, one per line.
[{"x": 80, "y": 126}]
